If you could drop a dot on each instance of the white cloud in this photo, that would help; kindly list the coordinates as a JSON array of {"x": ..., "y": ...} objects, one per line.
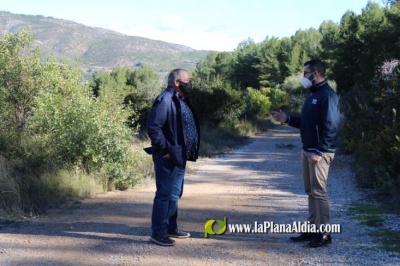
[
  {"x": 173, "y": 31},
  {"x": 170, "y": 22}
]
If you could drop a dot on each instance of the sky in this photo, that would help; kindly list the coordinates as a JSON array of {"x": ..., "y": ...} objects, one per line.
[{"x": 218, "y": 25}]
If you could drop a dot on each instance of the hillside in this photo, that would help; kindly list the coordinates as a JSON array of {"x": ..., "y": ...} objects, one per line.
[{"x": 98, "y": 49}]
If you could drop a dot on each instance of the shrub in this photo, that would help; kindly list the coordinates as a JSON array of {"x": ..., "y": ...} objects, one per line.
[
  {"x": 296, "y": 93},
  {"x": 218, "y": 103},
  {"x": 73, "y": 127},
  {"x": 372, "y": 132},
  {"x": 279, "y": 99},
  {"x": 57, "y": 138},
  {"x": 257, "y": 103}
]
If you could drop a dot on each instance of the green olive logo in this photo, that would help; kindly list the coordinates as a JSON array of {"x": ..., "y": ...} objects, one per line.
[{"x": 208, "y": 227}]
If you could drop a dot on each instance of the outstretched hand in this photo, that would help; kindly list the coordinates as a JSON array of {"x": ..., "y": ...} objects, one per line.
[{"x": 279, "y": 116}]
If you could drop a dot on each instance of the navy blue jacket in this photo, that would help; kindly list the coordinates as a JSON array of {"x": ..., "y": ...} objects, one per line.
[
  {"x": 165, "y": 128},
  {"x": 320, "y": 119}
]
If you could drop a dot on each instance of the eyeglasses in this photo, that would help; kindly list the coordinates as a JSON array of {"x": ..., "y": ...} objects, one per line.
[{"x": 305, "y": 72}]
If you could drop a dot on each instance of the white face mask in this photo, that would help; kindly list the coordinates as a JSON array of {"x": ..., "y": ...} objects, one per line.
[{"x": 306, "y": 83}]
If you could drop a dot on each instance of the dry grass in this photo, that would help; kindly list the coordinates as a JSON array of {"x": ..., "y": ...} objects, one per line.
[{"x": 10, "y": 200}]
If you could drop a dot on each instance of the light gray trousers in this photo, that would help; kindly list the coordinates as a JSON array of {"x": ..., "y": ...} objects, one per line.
[{"x": 315, "y": 182}]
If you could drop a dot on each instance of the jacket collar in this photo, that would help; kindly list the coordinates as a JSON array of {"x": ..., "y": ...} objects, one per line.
[
  {"x": 316, "y": 87},
  {"x": 175, "y": 93},
  {"x": 171, "y": 90}
]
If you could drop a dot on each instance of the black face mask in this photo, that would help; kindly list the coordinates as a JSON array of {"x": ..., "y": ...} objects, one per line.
[{"x": 186, "y": 88}]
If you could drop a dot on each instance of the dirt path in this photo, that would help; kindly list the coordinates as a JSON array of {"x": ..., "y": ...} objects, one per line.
[{"x": 258, "y": 182}]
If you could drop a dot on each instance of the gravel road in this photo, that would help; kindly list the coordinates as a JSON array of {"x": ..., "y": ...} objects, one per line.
[{"x": 257, "y": 182}]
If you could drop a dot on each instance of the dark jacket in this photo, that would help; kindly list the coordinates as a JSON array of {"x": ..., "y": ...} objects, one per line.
[
  {"x": 320, "y": 119},
  {"x": 165, "y": 128}
]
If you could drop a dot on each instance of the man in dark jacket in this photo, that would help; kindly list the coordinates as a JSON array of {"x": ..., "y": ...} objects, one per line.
[
  {"x": 175, "y": 138},
  {"x": 319, "y": 126}
]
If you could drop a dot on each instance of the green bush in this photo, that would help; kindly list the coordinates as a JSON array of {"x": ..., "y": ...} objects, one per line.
[
  {"x": 279, "y": 98},
  {"x": 372, "y": 132},
  {"x": 257, "y": 103},
  {"x": 218, "y": 103},
  {"x": 58, "y": 140},
  {"x": 136, "y": 89},
  {"x": 296, "y": 93},
  {"x": 73, "y": 127},
  {"x": 20, "y": 81}
]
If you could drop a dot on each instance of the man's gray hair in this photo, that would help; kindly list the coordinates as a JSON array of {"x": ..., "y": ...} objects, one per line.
[{"x": 174, "y": 75}]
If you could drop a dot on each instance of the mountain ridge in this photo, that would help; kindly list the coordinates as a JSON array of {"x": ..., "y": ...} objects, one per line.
[{"x": 98, "y": 49}]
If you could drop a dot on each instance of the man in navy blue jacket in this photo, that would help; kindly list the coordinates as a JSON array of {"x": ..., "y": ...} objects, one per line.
[
  {"x": 319, "y": 126},
  {"x": 174, "y": 132}
]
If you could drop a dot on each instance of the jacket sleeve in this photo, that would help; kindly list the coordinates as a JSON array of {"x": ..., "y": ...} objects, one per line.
[
  {"x": 155, "y": 122},
  {"x": 330, "y": 116},
  {"x": 294, "y": 121}
]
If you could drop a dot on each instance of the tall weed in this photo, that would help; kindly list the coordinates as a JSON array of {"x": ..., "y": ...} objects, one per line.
[{"x": 10, "y": 198}]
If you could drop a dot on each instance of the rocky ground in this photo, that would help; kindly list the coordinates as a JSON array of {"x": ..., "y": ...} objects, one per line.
[{"x": 258, "y": 182}]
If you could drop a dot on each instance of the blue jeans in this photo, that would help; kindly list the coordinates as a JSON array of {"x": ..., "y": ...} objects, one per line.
[{"x": 169, "y": 189}]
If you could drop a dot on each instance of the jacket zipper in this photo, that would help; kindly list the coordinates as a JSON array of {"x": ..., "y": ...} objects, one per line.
[{"x": 317, "y": 133}]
